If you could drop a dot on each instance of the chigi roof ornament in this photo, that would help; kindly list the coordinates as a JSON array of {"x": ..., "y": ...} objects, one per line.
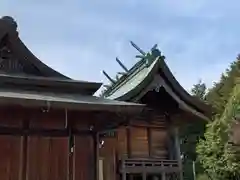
[
  {"x": 137, "y": 48},
  {"x": 108, "y": 77},
  {"x": 121, "y": 64}
]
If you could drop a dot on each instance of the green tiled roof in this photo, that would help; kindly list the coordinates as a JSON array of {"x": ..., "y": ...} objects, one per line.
[
  {"x": 135, "y": 75},
  {"x": 134, "y": 81},
  {"x": 140, "y": 76}
]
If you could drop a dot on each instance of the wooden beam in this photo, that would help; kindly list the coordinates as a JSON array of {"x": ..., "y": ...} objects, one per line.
[
  {"x": 43, "y": 132},
  {"x": 112, "y": 127},
  {"x": 150, "y": 170}
]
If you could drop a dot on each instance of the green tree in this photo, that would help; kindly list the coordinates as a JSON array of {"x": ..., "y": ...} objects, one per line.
[
  {"x": 203, "y": 177},
  {"x": 219, "y": 158},
  {"x": 199, "y": 90},
  {"x": 219, "y": 94},
  {"x": 190, "y": 134}
]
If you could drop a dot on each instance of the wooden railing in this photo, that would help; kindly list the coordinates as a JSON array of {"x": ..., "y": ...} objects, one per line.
[{"x": 151, "y": 165}]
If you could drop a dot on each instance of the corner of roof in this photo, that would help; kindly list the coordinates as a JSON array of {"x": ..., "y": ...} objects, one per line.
[
  {"x": 8, "y": 28},
  {"x": 9, "y": 21}
]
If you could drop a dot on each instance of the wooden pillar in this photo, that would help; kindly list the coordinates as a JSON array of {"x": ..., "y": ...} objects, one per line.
[
  {"x": 163, "y": 174},
  {"x": 170, "y": 139},
  {"x": 70, "y": 149},
  {"x": 129, "y": 149},
  {"x": 178, "y": 150},
  {"x": 171, "y": 145},
  {"x": 124, "y": 174},
  {"x": 149, "y": 138},
  {"x": 24, "y": 149},
  {"x": 96, "y": 155}
]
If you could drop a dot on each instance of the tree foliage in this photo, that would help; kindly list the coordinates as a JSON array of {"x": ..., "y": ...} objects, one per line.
[
  {"x": 219, "y": 94},
  {"x": 219, "y": 158},
  {"x": 199, "y": 90},
  {"x": 203, "y": 177},
  {"x": 190, "y": 134}
]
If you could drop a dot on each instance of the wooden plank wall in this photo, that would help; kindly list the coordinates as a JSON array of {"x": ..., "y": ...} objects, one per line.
[
  {"x": 122, "y": 146},
  {"x": 144, "y": 139},
  {"x": 83, "y": 158},
  {"x": 47, "y": 158},
  {"x": 10, "y": 157},
  {"x": 10, "y": 148},
  {"x": 158, "y": 143},
  {"x": 139, "y": 142},
  {"x": 43, "y": 157},
  {"x": 159, "y": 134}
]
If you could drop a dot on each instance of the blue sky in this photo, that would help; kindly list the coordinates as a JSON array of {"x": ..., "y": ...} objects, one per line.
[{"x": 80, "y": 38}]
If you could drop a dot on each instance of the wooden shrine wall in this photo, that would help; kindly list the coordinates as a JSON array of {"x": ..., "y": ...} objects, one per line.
[
  {"x": 144, "y": 139},
  {"x": 10, "y": 148},
  {"x": 35, "y": 156},
  {"x": 10, "y": 157},
  {"x": 141, "y": 140}
]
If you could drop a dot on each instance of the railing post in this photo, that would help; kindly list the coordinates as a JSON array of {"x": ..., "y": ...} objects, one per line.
[
  {"x": 124, "y": 175},
  {"x": 163, "y": 174},
  {"x": 144, "y": 176}
]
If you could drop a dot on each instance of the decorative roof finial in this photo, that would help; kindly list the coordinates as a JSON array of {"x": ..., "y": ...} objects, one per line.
[
  {"x": 150, "y": 56},
  {"x": 10, "y": 21},
  {"x": 155, "y": 51},
  {"x": 154, "y": 47}
]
